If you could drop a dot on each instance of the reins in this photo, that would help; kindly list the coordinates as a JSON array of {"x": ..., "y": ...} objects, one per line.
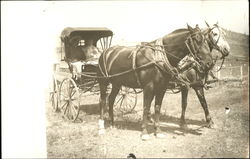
[
  {"x": 223, "y": 59},
  {"x": 169, "y": 69},
  {"x": 118, "y": 74},
  {"x": 193, "y": 52}
]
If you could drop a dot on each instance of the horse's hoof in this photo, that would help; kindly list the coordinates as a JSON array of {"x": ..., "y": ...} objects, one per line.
[
  {"x": 113, "y": 127},
  {"x": 160, "y": 135},
  {"x": 184, "y": 126},
  {"x": 212, "y": 126},
  {"x": 101, "y": 131},
  {"x": 145, "y": 137}
]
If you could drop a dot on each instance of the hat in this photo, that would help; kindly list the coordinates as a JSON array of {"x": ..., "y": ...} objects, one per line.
[{"x": 74, "y": 39}]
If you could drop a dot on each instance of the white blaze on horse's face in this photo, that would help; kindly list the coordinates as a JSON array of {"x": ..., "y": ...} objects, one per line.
[{"x": 219, "y": 40}]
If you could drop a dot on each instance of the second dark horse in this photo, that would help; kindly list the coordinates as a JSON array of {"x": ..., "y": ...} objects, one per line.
[
  {"x": 151, "y": 69},
  {"x": 216, "y": 40}
]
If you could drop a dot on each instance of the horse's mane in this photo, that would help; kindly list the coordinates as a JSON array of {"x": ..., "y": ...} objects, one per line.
[{"x": 179, "y": 30}]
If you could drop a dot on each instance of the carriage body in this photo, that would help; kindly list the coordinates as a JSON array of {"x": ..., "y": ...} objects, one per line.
[
  {"x": 69, "y": 82},
  {"x": 73, "y": 38},
  {"x": 75, "y": 77}
]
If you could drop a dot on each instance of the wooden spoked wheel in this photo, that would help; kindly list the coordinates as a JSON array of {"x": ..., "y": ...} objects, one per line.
[
  {"x": 69, "y": 99},
  {"x": 54, "y": 94},
  {"x": 126, "y": 100}
]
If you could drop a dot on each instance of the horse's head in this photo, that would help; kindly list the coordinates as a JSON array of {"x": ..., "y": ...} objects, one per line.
[
  {"x": 216, "y": 38},
  {"x": 199, "y": 49}
]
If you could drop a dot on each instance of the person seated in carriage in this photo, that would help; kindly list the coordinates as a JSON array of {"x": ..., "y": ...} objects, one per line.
[
  {"x": 83, "y": 52},
  {"x": 87, "y": 53},
  {"x": 90, "y": 52}
]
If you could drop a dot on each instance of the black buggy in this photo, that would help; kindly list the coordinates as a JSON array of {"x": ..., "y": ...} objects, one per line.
[{"x": 74, "y": 77}]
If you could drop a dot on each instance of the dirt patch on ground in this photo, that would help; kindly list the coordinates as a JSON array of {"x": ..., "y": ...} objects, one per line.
[{"x": 229, "y": 139}]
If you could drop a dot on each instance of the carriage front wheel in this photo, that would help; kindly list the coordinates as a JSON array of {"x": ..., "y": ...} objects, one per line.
[
  {"x": 126, "y": 100},
  {"x": 69, "y": 99}
]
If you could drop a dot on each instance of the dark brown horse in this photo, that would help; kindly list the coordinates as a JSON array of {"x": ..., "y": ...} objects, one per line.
[
  {"x": 216, "y": 40},
  {"x": 150, "y": 68}
]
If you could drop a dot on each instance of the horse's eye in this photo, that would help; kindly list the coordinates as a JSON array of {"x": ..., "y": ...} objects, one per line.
[{"x": 215, "y": 34}]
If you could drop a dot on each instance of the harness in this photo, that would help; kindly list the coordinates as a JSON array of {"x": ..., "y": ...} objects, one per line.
[
  {"x": 134, "y": 65},
  {"x": 214, "y": 43},
  {"x": 160, "y": 60}
]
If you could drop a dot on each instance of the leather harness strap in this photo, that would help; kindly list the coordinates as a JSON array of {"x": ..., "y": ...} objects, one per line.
[
  {"x": 161, "y": 56},
  {"x": 134, "y": 53},
  {"x": 113, "y": 58},
  {"x": 160, "y": 60},
  {"x": 107, "y": 67}
]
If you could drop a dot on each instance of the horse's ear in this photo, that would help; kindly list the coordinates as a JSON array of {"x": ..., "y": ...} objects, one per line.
[
  {"x": 190, "y": 28},
  {"x": 207, "y": 24},
  {"x": 216, "y": 24}
]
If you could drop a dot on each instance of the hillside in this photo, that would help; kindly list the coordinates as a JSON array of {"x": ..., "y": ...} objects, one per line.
[{"x": 239, "y": 44}]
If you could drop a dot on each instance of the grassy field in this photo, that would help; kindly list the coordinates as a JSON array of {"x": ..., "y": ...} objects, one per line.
[{"x": 229, "y": 139}]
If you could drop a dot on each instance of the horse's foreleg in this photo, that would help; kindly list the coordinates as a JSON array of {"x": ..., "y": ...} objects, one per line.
[
  {"x": 184, "y": 96},
  {"x": 158, "y": 102},
  {"x": 112, "y": 96},
  {"x": 102, "y": 104},
  {"x": 202, "y": 99},
  {"x": 148, "y": 96}
]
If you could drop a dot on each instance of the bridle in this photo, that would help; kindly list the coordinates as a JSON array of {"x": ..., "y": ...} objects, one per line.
[
  {"x": 210, "y": 38},
  {"x": 214, "y": 43},
  {"x": 194, "y": 48}
]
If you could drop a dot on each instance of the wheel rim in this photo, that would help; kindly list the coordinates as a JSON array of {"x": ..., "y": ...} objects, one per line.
[
  {"x": 69, "y": 98},
  {"x": 126, "y": 100}
]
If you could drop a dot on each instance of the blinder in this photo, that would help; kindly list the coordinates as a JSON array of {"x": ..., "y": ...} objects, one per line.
[
  {"x": 210, "y": 38},
  {"x": 193, "y": 44},
  {"x": 215, "y": 43}
]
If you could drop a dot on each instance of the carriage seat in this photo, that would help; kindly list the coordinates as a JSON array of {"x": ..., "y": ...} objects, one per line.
[
  {"x": 79, "y": 66},
  {"x": 88, "y": 55}
]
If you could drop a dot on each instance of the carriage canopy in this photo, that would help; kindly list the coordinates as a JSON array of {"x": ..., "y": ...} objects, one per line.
[
  {"x": 94, "y": 33},
  {"x": 75, "y": 36}
]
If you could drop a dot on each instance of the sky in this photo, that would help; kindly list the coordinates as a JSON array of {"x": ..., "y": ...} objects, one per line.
[
  {"x": 30, "y": 32},
  {"x": 146, "y": 20},
  {"x": 129, "y": 20}
]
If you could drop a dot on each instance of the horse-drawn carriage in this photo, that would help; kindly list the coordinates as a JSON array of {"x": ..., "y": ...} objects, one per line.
[
  {"x": 74, "y": 77},
  {"x": 151, "y": 67}
]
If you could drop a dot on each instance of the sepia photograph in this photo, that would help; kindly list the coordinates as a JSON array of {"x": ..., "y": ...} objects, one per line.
[{"x": 125, "y": 79}]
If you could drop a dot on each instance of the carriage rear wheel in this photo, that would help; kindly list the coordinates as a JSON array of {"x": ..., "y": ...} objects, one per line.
[
  {"x": 126, "y": 100},
  {"x": 54, "y": 94},
  {"x": 69, "y": 99}
]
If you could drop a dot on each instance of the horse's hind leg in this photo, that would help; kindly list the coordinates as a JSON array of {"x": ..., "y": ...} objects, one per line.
[
  {"x": 102, "y": 103},
  {"x": 112, "y": 96},
  {"x": 184, "y": 95},
  {"x": 200, "y": 93},
  {"x": 158, "y": 102}
]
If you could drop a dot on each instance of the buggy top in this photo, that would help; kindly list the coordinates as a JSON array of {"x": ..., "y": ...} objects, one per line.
[
  {"x": 94, "y": 33},
  {"x": 102, "y": 34}
]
